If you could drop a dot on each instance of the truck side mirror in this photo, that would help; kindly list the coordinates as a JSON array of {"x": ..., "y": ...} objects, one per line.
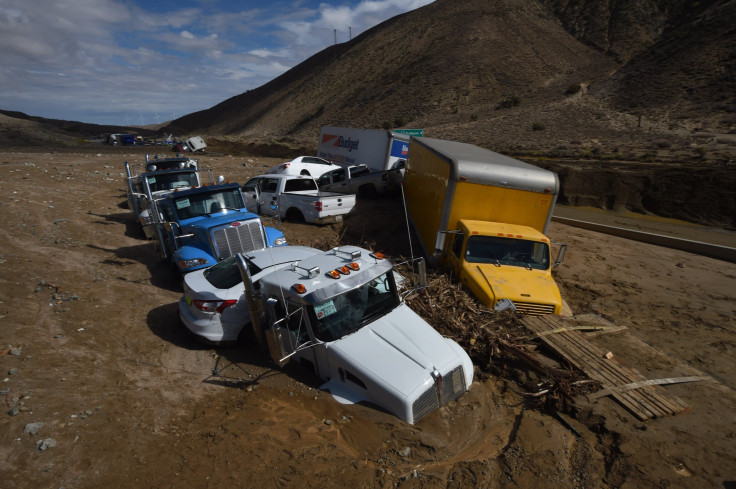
[
  {"x": 560, "y": 254},
  {"x": 278, "y": 338},
  {"x": 421, "y": 273}
]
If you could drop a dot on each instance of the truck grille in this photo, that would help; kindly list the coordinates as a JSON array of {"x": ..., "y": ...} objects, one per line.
[
  {"x": 532, "y": 309},
  {"x": 440, "y": 393},
  {"x": 230, "y": 240}
]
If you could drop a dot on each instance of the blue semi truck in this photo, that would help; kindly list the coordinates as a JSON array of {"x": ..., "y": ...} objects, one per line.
[{"x": 198, "y": 227}]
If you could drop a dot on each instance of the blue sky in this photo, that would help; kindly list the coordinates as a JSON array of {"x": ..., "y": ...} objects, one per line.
[{"x": 147, "y": 61}]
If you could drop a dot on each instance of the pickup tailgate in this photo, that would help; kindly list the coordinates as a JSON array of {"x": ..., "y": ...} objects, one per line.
[{"x": 329, "y": 204}]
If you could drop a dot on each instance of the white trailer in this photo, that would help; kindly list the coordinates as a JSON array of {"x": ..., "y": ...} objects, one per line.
[{"x": 378, "y": 149}]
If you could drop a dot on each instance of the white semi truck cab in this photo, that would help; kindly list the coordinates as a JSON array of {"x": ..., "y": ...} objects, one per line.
[{"x": 341, "y": 314}]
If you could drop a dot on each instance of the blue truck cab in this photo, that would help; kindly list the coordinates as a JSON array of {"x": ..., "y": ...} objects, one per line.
[{"x": 201, "y": 226}]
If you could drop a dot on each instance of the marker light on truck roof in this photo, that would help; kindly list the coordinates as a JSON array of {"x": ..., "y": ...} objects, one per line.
[
  {"x": 354, "y": 266},
  {"x": 300, "y": 288},
  {"x": 344, "y": 270},
  {"x": 377, "y": 255},
  {"x": 334, "y": 274}
]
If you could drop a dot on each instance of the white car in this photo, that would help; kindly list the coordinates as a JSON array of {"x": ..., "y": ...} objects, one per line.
[
  {"x": 304, "y": 165},
  {"x": 213, "y": 306}
]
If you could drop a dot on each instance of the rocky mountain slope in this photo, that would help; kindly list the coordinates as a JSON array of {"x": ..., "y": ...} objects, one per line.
[{"x": 509, "y": 74}]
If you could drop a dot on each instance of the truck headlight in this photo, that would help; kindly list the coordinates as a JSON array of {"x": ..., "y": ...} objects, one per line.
[
  {"x": 191, "y": 263},
  {"x": 280, "y": 241}
]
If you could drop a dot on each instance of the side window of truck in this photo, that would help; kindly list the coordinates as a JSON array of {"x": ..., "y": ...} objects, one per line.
[
  {"x": 457, "y": 245},
  {"x": 359, "y": 171},
  {"x": 296, "y": 322},
  {"x": 168, "y": 213},
  {"x": 338, "y": 176},
  {"x": 252, "y": 186},
  {"x": 270, "y": 185}
]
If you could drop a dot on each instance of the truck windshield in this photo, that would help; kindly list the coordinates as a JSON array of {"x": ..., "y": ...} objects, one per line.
[
  {"x": 507, "y": 251},
  {"x": 207, "y": 203},
  {"x": 351, "y": 310},
  {"x": 170, "y": 181}
]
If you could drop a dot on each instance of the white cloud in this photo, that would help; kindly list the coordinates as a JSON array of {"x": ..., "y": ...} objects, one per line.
[{"x": 93, "y": 60}]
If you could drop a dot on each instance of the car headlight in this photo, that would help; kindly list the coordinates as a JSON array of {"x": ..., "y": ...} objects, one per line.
[
  {"x": 280, "y": 241},
  {"x": 191, "y": 263}
]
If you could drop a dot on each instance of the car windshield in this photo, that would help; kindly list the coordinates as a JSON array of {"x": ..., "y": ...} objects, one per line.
[
  {"x": 507, "y": 251},
  {"x": 351, "y": 310},
  {"x": 170, "y": 181},
  {"x": 226, "y": 274},
  {"x": 207, "y": 203}
]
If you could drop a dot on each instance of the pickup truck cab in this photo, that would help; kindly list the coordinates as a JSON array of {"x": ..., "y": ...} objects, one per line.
[
  {"x": 295, "y": 198},
  {"x": 201, "y": 226},
  {"x": 339, "y": 314},
  {"x": 356, "y": 179}
]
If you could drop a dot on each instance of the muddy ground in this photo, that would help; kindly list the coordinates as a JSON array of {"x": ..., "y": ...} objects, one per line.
[{"x": 91, "y": 347}]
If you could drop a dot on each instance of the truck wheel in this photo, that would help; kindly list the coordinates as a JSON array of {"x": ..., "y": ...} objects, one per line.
[
  {"x": 368, "y": 191},
  {"x": 294, "y": 215}
]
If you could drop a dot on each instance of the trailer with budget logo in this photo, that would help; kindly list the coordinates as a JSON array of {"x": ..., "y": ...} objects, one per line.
[{"x": 379, "y": 150}]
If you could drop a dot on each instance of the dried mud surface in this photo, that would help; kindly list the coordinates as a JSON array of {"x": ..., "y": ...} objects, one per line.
[{"x": 91, "y": 346}]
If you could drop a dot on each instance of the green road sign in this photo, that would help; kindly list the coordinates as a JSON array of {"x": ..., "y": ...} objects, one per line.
[{"x": 417, "y": 133}]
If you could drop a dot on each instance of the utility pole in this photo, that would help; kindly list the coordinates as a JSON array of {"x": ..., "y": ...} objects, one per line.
[
  {"x": 335, "y": 36},
  {"x": 350, "y": 33}
]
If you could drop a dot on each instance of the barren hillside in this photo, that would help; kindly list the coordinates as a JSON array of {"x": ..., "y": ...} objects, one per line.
[{"x": 620, "y": 71}]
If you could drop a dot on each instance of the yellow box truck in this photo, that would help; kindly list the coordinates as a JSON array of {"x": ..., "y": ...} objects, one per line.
[{"x": 484, "y": 216}]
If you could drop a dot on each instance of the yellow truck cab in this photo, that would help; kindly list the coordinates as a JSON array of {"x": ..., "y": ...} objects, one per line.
[
  {"x": 485, "y": 215},
  {"x": 495, "y": 261}
]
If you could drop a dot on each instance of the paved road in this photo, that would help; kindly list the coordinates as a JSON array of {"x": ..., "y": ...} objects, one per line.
[{"x": 650, "y": 224}]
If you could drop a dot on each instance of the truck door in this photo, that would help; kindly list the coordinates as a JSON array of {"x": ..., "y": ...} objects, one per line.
[
  {"x": 251, "y": 194},
  {"x": 268, "y": 200},
  {"x": 454, "y": 256}
]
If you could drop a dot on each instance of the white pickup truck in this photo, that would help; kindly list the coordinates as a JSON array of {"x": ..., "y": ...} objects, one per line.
[
  {"x": 340, "y": 314},
  {"x": 358, "y": 179},
  {"x": 295, "y": 198}
]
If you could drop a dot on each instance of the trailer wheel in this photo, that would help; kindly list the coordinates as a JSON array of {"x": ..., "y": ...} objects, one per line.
[{"x": 294, "y": 215}]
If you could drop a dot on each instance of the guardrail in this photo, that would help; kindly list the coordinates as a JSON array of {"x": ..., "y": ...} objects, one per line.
[{"x": 698, "y": 247}]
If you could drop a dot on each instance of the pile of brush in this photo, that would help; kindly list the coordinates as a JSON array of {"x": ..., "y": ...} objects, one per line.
[{"x": 498, "y": 344}]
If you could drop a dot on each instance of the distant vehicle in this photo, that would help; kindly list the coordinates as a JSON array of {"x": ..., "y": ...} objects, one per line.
[
  {"x": 117, "y": 139},
  {"x": 295, "y": 198},
  {"x": 379, "y": 150},
  {"x": 195, "y": 144},
  {"x": 213, "y": 307},
  {"x": 304, "y": 165},
  {"x": 483, "y": 215}
]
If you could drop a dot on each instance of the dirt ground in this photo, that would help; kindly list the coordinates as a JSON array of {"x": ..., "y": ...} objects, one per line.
[{"x": 102, "y": 386}]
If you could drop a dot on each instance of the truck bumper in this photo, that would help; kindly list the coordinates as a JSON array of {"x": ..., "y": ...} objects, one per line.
[{"x": 327, "y": 219}]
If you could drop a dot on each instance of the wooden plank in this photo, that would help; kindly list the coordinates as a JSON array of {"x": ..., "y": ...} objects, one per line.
[
  {"x": 616, "y": 374},
  {"x": 645, "y": 401},
  {"x": 582, "y": 360}
]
